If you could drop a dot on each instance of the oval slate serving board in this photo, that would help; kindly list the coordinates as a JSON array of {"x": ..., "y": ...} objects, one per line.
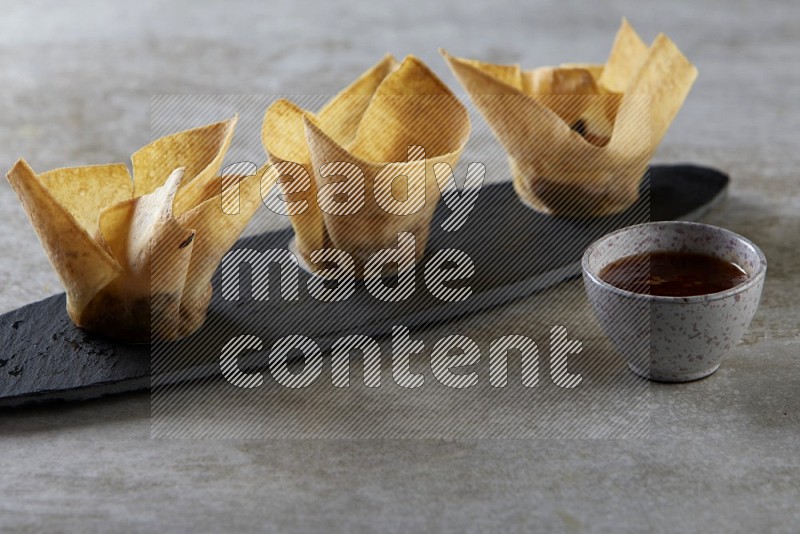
[{"x": 516, "y": 252}]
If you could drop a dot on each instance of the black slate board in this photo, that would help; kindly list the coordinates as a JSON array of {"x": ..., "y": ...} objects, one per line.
[{"x": 516, "y": 252}]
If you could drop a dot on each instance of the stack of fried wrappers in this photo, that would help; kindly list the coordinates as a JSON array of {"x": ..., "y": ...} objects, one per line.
[
  {"x": 580, "y": 137},
  {"x": 372, "y": 125},
  {"x": 136, "y": 256}
]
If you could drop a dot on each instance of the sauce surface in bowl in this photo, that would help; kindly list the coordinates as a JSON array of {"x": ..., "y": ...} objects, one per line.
[{"x": 673, "y": 274}]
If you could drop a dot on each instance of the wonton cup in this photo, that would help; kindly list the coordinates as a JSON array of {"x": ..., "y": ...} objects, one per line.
[
  {"x": 372, "y": 125},
  {"x": 136, "y": 256},
  {"x": 580, "y": 137}
]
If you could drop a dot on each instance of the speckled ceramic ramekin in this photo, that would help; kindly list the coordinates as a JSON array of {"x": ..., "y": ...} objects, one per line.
[{"x": 674, "y": 339}]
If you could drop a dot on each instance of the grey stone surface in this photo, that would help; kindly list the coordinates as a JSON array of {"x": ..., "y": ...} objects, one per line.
[{"x": 723, "y": 453}]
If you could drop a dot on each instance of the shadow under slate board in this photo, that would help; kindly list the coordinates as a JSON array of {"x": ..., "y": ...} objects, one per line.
[{"x": 516, "y": 252}]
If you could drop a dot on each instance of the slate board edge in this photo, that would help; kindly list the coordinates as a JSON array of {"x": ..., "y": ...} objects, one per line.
[
  {"x": 703, "y": 210},
  {"x": 93, "y": 391}
]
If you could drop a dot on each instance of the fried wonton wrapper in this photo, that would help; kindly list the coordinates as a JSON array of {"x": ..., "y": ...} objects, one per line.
[
  {"x": 136, "y": 256},
  {"x": 580, "y": 137},
  {"x": 372, "y": 125}
]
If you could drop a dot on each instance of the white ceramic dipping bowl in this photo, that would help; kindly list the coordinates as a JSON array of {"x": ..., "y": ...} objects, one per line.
[{"x": 674, "y": 339}]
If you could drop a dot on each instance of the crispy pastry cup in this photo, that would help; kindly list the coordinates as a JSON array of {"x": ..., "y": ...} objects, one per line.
[
  {"x": 395, "y": 120},
  {"x": 580, "y": 137},
  {"x": 136, "y": 255}
]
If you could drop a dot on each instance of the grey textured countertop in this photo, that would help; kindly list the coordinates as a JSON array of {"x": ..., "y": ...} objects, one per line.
[{"x": 723, "y": 453}]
